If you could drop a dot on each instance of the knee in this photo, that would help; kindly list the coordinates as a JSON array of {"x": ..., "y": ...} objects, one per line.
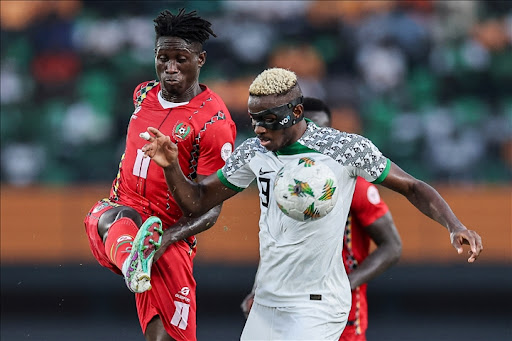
[
  {"x": 109, "y": 217},
  {"x": 128, "y": 212}
]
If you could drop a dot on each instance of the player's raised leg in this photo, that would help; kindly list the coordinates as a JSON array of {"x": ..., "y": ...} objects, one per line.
[{"x": 137, "y": 267}]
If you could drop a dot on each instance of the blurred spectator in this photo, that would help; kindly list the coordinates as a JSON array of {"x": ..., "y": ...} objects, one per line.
[
  {"x": 306, "y": 62},
  {"x": 383, "y": 66},
  {"x": 22, "y": 163}
]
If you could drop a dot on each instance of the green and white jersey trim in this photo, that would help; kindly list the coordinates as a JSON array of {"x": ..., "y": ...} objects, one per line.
[
  {"x": 226, "y": 183},
  {"x": 356, "y": 152}
]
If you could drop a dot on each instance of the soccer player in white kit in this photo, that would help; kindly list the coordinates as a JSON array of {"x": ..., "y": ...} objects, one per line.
[{"x": 303, "y": 292}]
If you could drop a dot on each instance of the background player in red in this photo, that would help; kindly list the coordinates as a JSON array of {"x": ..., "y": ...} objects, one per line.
[
  {"x": 140, "y": 203},
  {"x": 369, "y": 218}
]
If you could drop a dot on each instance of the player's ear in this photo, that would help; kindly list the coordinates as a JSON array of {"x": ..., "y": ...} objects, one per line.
[
  {"x": 201, "y": 58},
  {"x": 298, "y": 110}
]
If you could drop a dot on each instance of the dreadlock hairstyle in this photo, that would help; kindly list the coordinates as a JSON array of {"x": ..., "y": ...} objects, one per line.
[{"x": 187, "y": 26}]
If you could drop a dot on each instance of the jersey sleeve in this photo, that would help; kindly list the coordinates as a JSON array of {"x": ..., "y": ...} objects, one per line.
[
  {"x": 136, "y": 93},
  {"x": 366, "y": 160},
  {"x": 216, "y": 143},
  {"x": 367, "y": 205},
  {"x": 141, "y": 91},
  {"x": 236, "y": 173}
]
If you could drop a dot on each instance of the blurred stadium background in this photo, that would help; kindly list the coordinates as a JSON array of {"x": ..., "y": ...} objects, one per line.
[{"x": 430, "y": 82}]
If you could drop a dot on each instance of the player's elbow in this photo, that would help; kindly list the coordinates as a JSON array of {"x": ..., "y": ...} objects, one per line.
[
  {"x": 196, "y": 210},
  {"x": 190, "y": 209},
  {"x": 395, "y": 252},
  {"x": 397, "y": 255}
]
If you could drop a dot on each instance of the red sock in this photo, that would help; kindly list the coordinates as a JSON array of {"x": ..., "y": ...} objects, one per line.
[{"x": 119, "y": 240}]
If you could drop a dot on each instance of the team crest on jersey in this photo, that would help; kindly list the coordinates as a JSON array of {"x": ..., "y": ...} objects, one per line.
[{"x": 181, "y": 131}]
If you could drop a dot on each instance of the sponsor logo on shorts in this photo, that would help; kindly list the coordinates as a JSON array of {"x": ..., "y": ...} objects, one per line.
[{"x": 183, "y": 293}]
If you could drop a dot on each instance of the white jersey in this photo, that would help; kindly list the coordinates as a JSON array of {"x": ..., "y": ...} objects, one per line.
[{"x": 300, "y": 262}]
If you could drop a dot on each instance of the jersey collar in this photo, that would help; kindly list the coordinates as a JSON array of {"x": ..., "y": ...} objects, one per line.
[{"x": 297, "y": 147}]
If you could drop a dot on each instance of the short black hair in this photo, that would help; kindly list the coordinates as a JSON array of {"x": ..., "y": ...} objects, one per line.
[
  {"x": 187, "y": 26},
  {"x": 315, "y": 104}
]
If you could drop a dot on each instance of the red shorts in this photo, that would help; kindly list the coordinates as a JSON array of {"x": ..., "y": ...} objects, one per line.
[{"x": 173, "y": 293}]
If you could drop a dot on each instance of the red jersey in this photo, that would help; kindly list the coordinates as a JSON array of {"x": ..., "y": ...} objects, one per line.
[
  {"x": 204, "y": 132},
  {"x": 205, "y": 135},
  {"x": 366, "y": 207}
]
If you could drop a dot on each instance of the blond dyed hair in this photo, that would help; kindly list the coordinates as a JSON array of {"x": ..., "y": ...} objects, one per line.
[{"x": 274, "y": 81}]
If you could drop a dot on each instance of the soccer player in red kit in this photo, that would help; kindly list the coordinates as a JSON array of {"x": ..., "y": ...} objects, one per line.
[
  {"x": 127, "y": 229},
  {"x": 369, "y": 219}
]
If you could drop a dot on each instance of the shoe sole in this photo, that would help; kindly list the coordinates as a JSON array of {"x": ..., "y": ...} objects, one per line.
[{"x": 138, "y": 272}]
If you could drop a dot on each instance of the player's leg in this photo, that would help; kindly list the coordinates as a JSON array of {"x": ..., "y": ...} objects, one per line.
[
  {"x": 117, "y": 228},
  {"x": 103, "y": 227},
  {"x": 155, "y": 331},
  {"x": 173, "y": 296},
  {"x": 111, "y": 216},
  {"x": 129, "y": 247}
]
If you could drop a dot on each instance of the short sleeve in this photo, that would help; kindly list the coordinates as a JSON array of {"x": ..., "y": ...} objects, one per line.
[
  {"x": 236, "y": 173},
  {"x": 136, "y": 93},
  {"x": 365, "y": 160},
  {"x": 216, "y": 143},
  {"x": 141, "y": 91}
]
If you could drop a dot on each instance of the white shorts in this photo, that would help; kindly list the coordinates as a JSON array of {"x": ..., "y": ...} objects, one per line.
[{"x": 297, "y": 323}]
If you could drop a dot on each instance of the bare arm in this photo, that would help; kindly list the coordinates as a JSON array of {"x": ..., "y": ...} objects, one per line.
[
  {"x": 389, "y": 248},
  {"x": 429, "y": 202},
  {"x": 186, "y": 227},
  {"x": 193, "y": 198}
]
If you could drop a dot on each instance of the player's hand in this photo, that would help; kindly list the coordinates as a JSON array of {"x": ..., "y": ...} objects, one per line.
[
  {"x": 468, "y": 237},
  {"x": 247, "y": 304},
  {"x": 159, "y": 148}
]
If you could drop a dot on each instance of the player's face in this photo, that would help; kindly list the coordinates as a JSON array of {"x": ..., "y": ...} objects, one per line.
[
  {"x": 177, "y": 65},
  {"x": 275, "y": 139},
  {"x": 319, "y": 117}
]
